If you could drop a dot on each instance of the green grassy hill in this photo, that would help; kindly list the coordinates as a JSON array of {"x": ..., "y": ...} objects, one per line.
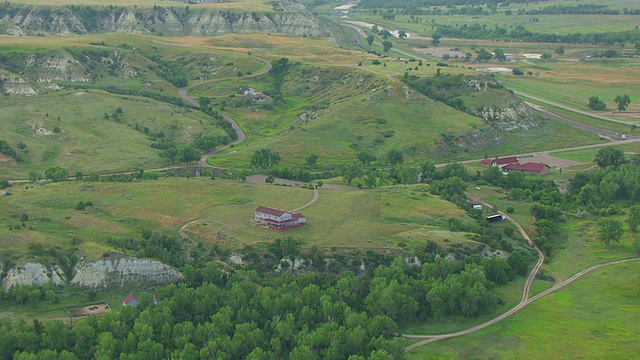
[
  {"x": 100, "y": 105},
  {"x": 337, "y": 112}
]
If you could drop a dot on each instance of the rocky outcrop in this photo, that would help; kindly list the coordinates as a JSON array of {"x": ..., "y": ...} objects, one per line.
[
  {"x": 13, "y": 84},
  {"x": 288, "y": 17},
  {"x": 32, "y": 274},
  {"x": 124, "y": 271},
  {"x": 61, "y": 66},
  {"x": 515, "y": 115}
]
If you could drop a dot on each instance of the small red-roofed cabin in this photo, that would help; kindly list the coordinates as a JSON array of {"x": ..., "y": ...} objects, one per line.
[
  {"x": 529, "y": 168},
  {"x": 499, "y": 161},
  {"x": 130, "y": 300},
  {"x": 278, "y": 219}
]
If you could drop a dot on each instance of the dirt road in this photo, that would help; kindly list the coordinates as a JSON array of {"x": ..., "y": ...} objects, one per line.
[
  {"x": 524, "y": 301},
  {"x": 241, "y": 135}
]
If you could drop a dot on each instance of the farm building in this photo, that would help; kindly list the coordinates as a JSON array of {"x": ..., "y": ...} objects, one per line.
[
  {"x": 130, "y": 300},
  {"x": 499, "y": 161},
  {"x": 278, "y": 219},
  {"x": 495, "y": 218},
  {"x": 529, "y": 168}
]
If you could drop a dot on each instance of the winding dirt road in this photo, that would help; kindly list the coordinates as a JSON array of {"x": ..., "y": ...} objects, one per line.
[
  {"x": 241, "y": 135},
  {"x": 524, "y": 301}
]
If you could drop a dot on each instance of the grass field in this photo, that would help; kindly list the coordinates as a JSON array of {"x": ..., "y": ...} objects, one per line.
[
  {"x": 77, "y": 129},
  {"x": 86, "y": 141},
  {"x": 345, "y": 219},
  {"x": 596, "y": 317},
  {"x": 587, "y": 155},
  {"x": 573, "y": 83}
]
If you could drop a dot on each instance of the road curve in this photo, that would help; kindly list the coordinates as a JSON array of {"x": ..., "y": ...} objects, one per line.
[
  {"x": 525, "y": 300},
  {"x": 536, "y": 268},
  {"x": 241, "y": 135}
]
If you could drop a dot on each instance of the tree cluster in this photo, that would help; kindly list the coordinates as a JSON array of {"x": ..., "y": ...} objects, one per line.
[{"x": 224, "y": 313}]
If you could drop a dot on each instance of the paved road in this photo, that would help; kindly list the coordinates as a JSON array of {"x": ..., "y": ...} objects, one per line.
[
  {"x": 611, "y": 135},
  {"x": 577, "y": 111}
]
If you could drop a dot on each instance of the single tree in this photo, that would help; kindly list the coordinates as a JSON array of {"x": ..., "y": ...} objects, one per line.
[
  {"x": 435, "y": 39},
  {"x": 370, "y": 39},
  {"x": 365, "y": 157},
  {"x": 189, "y": 154},
  {"x": 611, "y": 230},
  {"x": 170, "y": 153},
  {"x": 56, "y": 173},
  {"x": 409, "y": 175},
  {"x": 385, "y": 34},
  {"x": 484, "y": 55},
  {"x": 622, "y": 101},
  {"x": 596, "y": 104},
  {"x": 312, "y": 159},
  {"x": 265, "y": 158},
  {"x": 560, "y": 50},
  {"x": 350, "y": 170},
  {"x": 4, "y": 183},
  {"x": 402, "y": 34},
  {"x": 634, "y": 217},
  {"x": 500, "y": 55},
  {"x": 395, "y": 157},
  {"x": 428, "y": 169},
  {"x": 609, "y": 156},
  {"x": 387, "y": 45}
]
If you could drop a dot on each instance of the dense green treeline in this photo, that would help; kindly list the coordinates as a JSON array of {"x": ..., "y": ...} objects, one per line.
[
  {"x": 520, "y": 33},
  {"x": 612, "y": 189},
  {"x": 218, "y": 312},
  {"x": 402, "y": 4}
]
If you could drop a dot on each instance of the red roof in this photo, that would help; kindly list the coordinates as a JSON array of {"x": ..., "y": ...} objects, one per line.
[
  {"x": 537, "y": 167},
  {"x": 130, "y": 298},
  {"x": 506, "y": 160},
  {"x": 297, "y": 216},
  {"x": 270, "y": 211},
  {"x": 500, "y": 161}
]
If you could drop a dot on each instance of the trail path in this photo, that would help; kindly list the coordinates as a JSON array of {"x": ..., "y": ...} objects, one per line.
[
  {"x": 524, "y": 301},
  {"x": 241, "y": 135}
]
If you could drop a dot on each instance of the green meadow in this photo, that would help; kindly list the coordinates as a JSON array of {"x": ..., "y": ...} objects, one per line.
[
  {"x": 587, "y": 155},
  {"x": 362, "y": 219},
  {"x": 595, "y": 317},
  {"x": 68, "y": 128}
]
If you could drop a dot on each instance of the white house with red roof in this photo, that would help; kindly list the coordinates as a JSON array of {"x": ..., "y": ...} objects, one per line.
[
  {"x": 278, "y": 219},
  {"x": 499, "y": 161}
]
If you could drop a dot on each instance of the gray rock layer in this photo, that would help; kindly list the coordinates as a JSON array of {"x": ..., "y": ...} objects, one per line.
[
  {"x": 288, "y": 17},
  {"x": 32, "y": 274},
  {"x": 126, "y": 271}
]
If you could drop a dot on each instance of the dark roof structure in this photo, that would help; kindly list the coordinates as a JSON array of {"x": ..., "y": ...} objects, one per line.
[{"x": 271, "y": 211}]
